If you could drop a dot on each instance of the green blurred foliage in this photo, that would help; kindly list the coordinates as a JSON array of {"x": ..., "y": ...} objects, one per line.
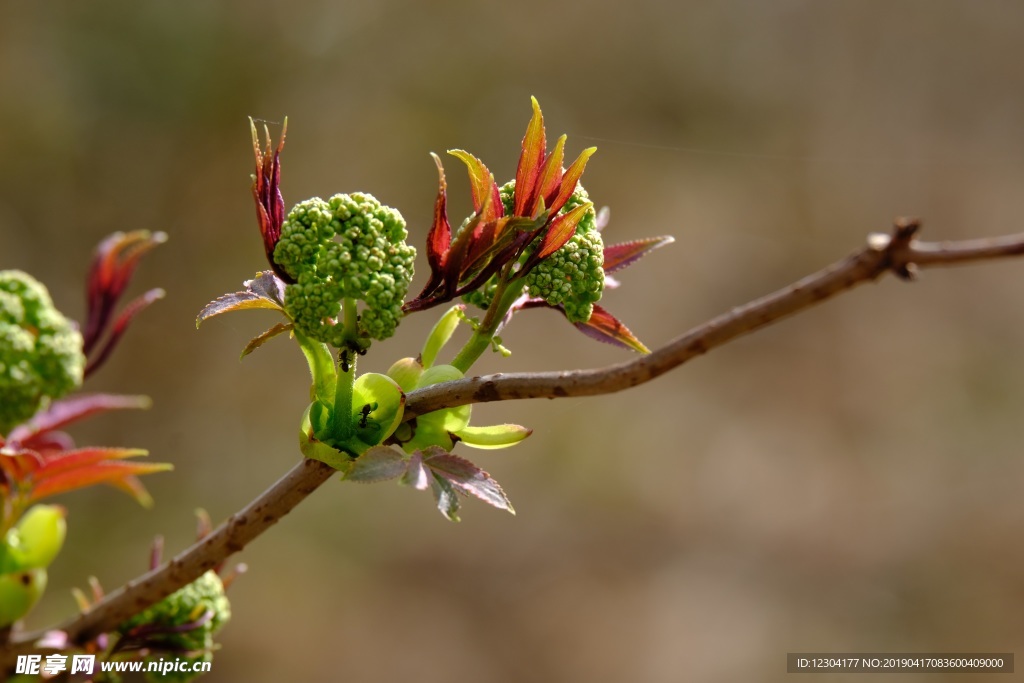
[{"x": 847, "y": 480}]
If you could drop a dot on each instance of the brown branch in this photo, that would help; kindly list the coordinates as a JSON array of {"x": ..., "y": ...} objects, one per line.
[
  {"x": 898, "y": 252},
  {"x": 226, "y": 540}
]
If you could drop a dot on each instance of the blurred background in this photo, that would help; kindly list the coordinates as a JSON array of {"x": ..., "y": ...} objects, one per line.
[{"x": 848, "y": 480}]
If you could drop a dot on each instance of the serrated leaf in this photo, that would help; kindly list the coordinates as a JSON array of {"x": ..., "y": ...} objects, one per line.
[
  {"x": 267, "y": 285},
  {"x": 467, "y": 478},
  {"x": 235, "y": 301},
  {"x": 447, "y": 501},
  {"x": 260, "y": 339},
  {"x": 416, "y": 474},
  {"x": 605, "y": 327},
  {"x": 379, "y": 463},
  {"x": 619, "y": 256}
]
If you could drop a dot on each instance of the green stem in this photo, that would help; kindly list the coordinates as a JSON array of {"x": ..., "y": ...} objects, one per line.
[
  {"x": 508, "y": 291},
  {"x": 341, "y": 419}
]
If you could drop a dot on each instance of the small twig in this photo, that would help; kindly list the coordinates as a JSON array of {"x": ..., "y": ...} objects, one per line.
[{"x": 898, "y": 252}]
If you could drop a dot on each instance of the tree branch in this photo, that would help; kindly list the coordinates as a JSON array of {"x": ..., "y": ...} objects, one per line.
[{"x": 898, "y": 252}]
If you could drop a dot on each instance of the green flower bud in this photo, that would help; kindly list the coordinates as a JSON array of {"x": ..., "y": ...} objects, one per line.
[
  {"x": 187, "y": 606},
  {"x": 35, "y": 541},
  {"x": 19, "y": 592},
  {"x": 40, "y": 350},
  {"x": 349, "y": 247}
]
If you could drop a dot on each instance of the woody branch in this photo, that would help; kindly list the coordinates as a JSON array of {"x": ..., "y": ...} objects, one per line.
[{"x": 899, "y": 252}]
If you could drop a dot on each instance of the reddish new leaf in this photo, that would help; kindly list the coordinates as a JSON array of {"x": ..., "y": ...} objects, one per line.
[
  {"x": 68, "y": 410},
  {"x": 82, "y": 458},
  {"x": 416, "y": 474},
  {"x": 619, "y": 256},
  {"x": 486, "y": 200},
  {"x": 261, "y": 339},
  {"x": 54, "y": 440},
  {"x": 530, "y": 161},
  {"x": 447, "y": 501},
  {"x": 569, "y": 180},
  {"x": 550, "y": 179},
  {"x": 560, "y": 231},
  {"x": 133, "y": 308},
  {"x": 18, "y": 465},
  {"x": 604, "y": 327},
  {"x": 439, "y": 238},
  {"x": 482, "y": 246},
  {"x": 467, "y": 478},
  {"x": 101, "y": 473},
  {"x": 266, "y": 191},
  {"x": 112, "y": 267}
]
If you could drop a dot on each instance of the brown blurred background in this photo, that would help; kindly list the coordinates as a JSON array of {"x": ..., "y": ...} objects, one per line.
[{"x": 849, "y": 480}]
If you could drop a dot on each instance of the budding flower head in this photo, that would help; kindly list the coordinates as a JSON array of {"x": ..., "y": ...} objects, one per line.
[
  {"x": 572, "y": 277},
  {"x": 41, "y": 355},
  {"x": 182, "y": 623},
  {"x": 346, "y": 249}
]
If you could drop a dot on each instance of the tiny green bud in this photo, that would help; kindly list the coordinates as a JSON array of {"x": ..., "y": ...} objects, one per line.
[
  {"x": 19, "y": 592},
  {"x": 36, "y": 540}
]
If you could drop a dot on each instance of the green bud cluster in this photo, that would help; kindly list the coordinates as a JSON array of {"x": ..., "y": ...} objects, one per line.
[
  {"x": 572, "y": 277},
  {"x": 183, "y": 607},
  {"x": 348, "y": 247},
  {"x": 40, "y": 350}
]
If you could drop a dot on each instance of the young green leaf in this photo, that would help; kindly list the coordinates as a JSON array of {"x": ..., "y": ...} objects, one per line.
[
  {"x": 406, "y": 372},
  {"x": 493, "y": 436},
  {"x": 440, "y": 335},
  {"x": 313, "y": 448},
  {"x": 321, "y": 368},
  {"x": 449, "y": 419},
  {"x": 378, "y": 404}
]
